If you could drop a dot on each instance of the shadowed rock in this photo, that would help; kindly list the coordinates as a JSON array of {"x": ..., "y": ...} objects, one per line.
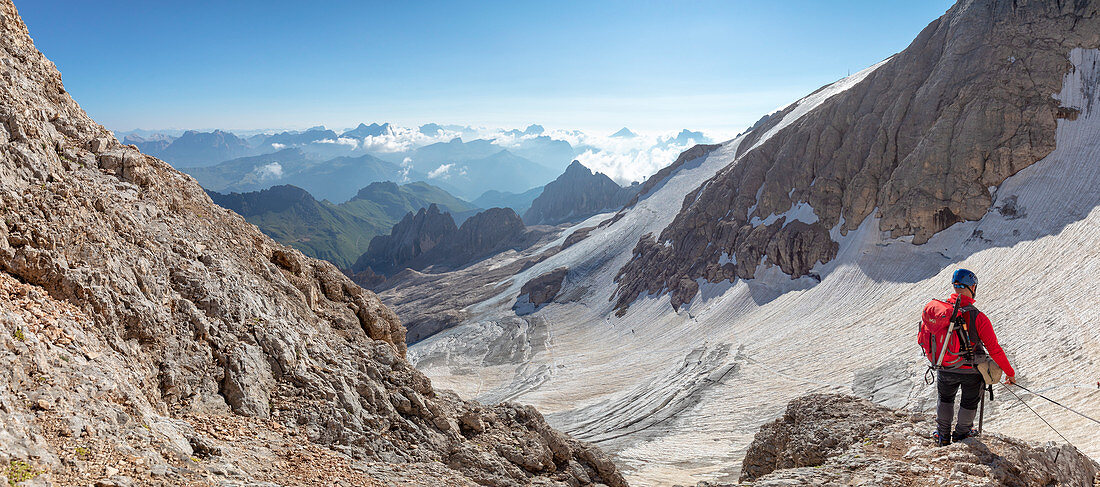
[{"x": 543, "y": 289}]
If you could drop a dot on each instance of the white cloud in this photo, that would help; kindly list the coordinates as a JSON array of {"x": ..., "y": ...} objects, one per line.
[
  {"x": 406, "y": 166},
  {"x": 278, "y": 146},
  {"x": 347, "y": 141},
  {"x": 441, "y": 171},
  {"x": 269, "y": 171},
  {"x": 623, "y": 159}
]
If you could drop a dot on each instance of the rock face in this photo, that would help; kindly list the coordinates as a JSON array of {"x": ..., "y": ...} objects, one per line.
[
  {"x": 832, "y": 439},
  {"x": 924, "y": 138},
  {"x": 430, "y": 238},
  {"x": 142, "y": 311},
  {"x": 486, "y": 233},
  {"x": 543, "y": 289},
  {"x": 411, "y": 238},
  {"x": 576, "y": 194}
]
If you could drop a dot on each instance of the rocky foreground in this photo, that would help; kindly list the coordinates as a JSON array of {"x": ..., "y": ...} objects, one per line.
[
  {"x": 833, "y": 439},
  {"x": 150, "y": 337}
]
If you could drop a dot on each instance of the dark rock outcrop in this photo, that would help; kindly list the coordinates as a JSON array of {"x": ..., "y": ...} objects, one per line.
[
  {"x": 411, "y": 238},
  {"x": 542, "y": 289},
  {"x": 430, "y": 239},
  {"x": 834, "y": 439},
  {"x": 486, "y": 233},
  {"x": 134, "y": 310},
  {"x": 576, "y": 236},
  {"x": 577, "y": 194},
  {"x": 922, "y": 138}
]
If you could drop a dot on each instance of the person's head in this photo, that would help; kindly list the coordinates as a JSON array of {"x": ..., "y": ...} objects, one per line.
[{"x": 965, "y": 282}]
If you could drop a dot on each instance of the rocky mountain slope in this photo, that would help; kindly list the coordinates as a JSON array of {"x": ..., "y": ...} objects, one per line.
[
  {"x": 672, "y": 338},
  {"x": 338, "y": 233},
  {"x": 153, "y": 337},
  {"x": 575, "y": 195},
  {"x": 923, "y": 142}
]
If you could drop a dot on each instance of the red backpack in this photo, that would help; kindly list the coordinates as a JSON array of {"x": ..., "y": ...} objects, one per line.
[{"x": 942, "y": 322}]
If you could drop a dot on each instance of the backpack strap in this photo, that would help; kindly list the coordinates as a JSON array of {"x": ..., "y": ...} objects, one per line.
[{"x": 969, "y": 315}]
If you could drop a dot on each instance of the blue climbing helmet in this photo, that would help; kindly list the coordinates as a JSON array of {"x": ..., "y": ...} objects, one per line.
[{"x": 964, "y": 278}]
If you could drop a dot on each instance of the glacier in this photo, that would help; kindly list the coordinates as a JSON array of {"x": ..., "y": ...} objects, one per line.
[{"x": 676, "y": 396}]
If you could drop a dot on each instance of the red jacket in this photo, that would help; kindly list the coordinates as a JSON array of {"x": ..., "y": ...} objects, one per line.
[{"x": 987, "y": 336}]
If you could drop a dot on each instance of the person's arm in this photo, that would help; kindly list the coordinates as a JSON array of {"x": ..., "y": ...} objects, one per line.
[{"x": 989, "y": 341}]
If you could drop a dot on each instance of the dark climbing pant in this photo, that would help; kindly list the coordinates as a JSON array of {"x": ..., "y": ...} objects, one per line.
[{"x": 948, "y": 386}]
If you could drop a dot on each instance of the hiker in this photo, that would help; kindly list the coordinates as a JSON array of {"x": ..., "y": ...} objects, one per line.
[{"x": 956, "y": 366}]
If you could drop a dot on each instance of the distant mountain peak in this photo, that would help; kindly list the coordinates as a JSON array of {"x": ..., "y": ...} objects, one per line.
[
  {"x": 576, "y": 167},
  {"x": 578, "y": 193},
  {"x": 624, "y": 133},
  {"x": 364, "y": 130}
]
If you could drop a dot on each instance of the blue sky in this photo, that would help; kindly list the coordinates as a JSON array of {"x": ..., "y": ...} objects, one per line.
[{"x": 652, "y": 66}]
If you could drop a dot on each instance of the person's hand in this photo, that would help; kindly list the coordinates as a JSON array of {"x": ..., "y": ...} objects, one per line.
[{"x": 1010, "y": 380}]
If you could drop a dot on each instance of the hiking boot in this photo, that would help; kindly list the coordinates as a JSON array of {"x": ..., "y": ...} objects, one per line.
[
  {"x": 941, "y": 440},
  {"x": 956, "y": 436}
]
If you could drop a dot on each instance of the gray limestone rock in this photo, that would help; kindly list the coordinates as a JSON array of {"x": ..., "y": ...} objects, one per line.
[
  {"x": 132, "y": 307},
  {"x": 834, "y": 439}
]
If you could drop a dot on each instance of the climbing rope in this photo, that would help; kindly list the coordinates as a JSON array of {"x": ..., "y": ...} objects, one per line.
[
  {"x": 1057, "y": 452},
  {"x": 1060, "y": 404}
]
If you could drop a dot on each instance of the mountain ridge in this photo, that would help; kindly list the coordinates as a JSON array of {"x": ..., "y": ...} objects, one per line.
[
  {"x": 575, "y": 195},
  {"x": 338, "y": 233}
]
